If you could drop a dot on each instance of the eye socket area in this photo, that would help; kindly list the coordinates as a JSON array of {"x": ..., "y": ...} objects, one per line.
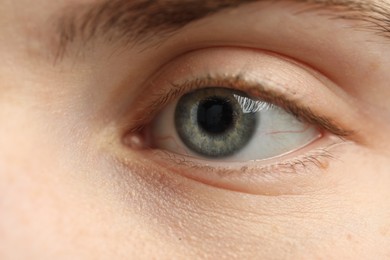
[{"x": 295, "y": 94}]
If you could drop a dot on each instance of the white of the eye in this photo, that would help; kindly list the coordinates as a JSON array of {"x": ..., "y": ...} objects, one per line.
[
  {"x": 277, "y": 133},
  {"x": 164, "y": 133}
]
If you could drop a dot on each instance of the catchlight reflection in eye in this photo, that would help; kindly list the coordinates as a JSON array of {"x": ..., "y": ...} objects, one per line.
[{"x": 225, "y": 124}]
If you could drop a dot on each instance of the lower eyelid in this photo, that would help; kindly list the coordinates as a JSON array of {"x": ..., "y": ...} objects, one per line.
[{"x": 273, "y": 177}]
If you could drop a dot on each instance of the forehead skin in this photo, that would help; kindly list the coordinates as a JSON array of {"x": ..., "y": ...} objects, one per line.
[{"x": 68, "y": 192}]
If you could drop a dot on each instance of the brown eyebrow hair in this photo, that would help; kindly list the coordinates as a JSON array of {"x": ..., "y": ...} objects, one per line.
[{"x": 140, "y": 21}]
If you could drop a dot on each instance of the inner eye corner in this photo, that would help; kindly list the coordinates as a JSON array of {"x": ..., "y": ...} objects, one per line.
[{"x": 135, "y": 138}]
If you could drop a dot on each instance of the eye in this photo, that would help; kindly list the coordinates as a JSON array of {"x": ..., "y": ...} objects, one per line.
[
  {"x": 218, "y": 123},
  {"x": 237, "y": 119}
]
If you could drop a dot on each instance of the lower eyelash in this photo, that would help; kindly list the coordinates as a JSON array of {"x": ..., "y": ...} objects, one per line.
[{"x": 318, "y": 158}]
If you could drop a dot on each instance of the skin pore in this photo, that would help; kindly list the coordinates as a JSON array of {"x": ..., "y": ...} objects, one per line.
[{"x": 82, "y": 81}]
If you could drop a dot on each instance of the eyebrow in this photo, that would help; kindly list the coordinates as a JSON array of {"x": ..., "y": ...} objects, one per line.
[{"x": 142, "y": 21}]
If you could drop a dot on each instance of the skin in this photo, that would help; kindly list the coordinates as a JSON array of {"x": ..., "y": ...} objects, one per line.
[{"x": 70, "y": 188}]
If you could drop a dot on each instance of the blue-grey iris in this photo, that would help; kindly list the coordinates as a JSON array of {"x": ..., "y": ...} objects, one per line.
[{"x": 212, "y": 122}]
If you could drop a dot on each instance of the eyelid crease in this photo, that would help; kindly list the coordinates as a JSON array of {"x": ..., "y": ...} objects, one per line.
[{"x": 255, "y": 90}]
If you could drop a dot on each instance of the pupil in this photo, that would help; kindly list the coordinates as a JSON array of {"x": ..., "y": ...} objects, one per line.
[{"x": 215, "y": 115}]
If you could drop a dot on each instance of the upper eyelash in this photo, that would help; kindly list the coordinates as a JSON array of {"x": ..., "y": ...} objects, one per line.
[{"x": 256, "y": 90}]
